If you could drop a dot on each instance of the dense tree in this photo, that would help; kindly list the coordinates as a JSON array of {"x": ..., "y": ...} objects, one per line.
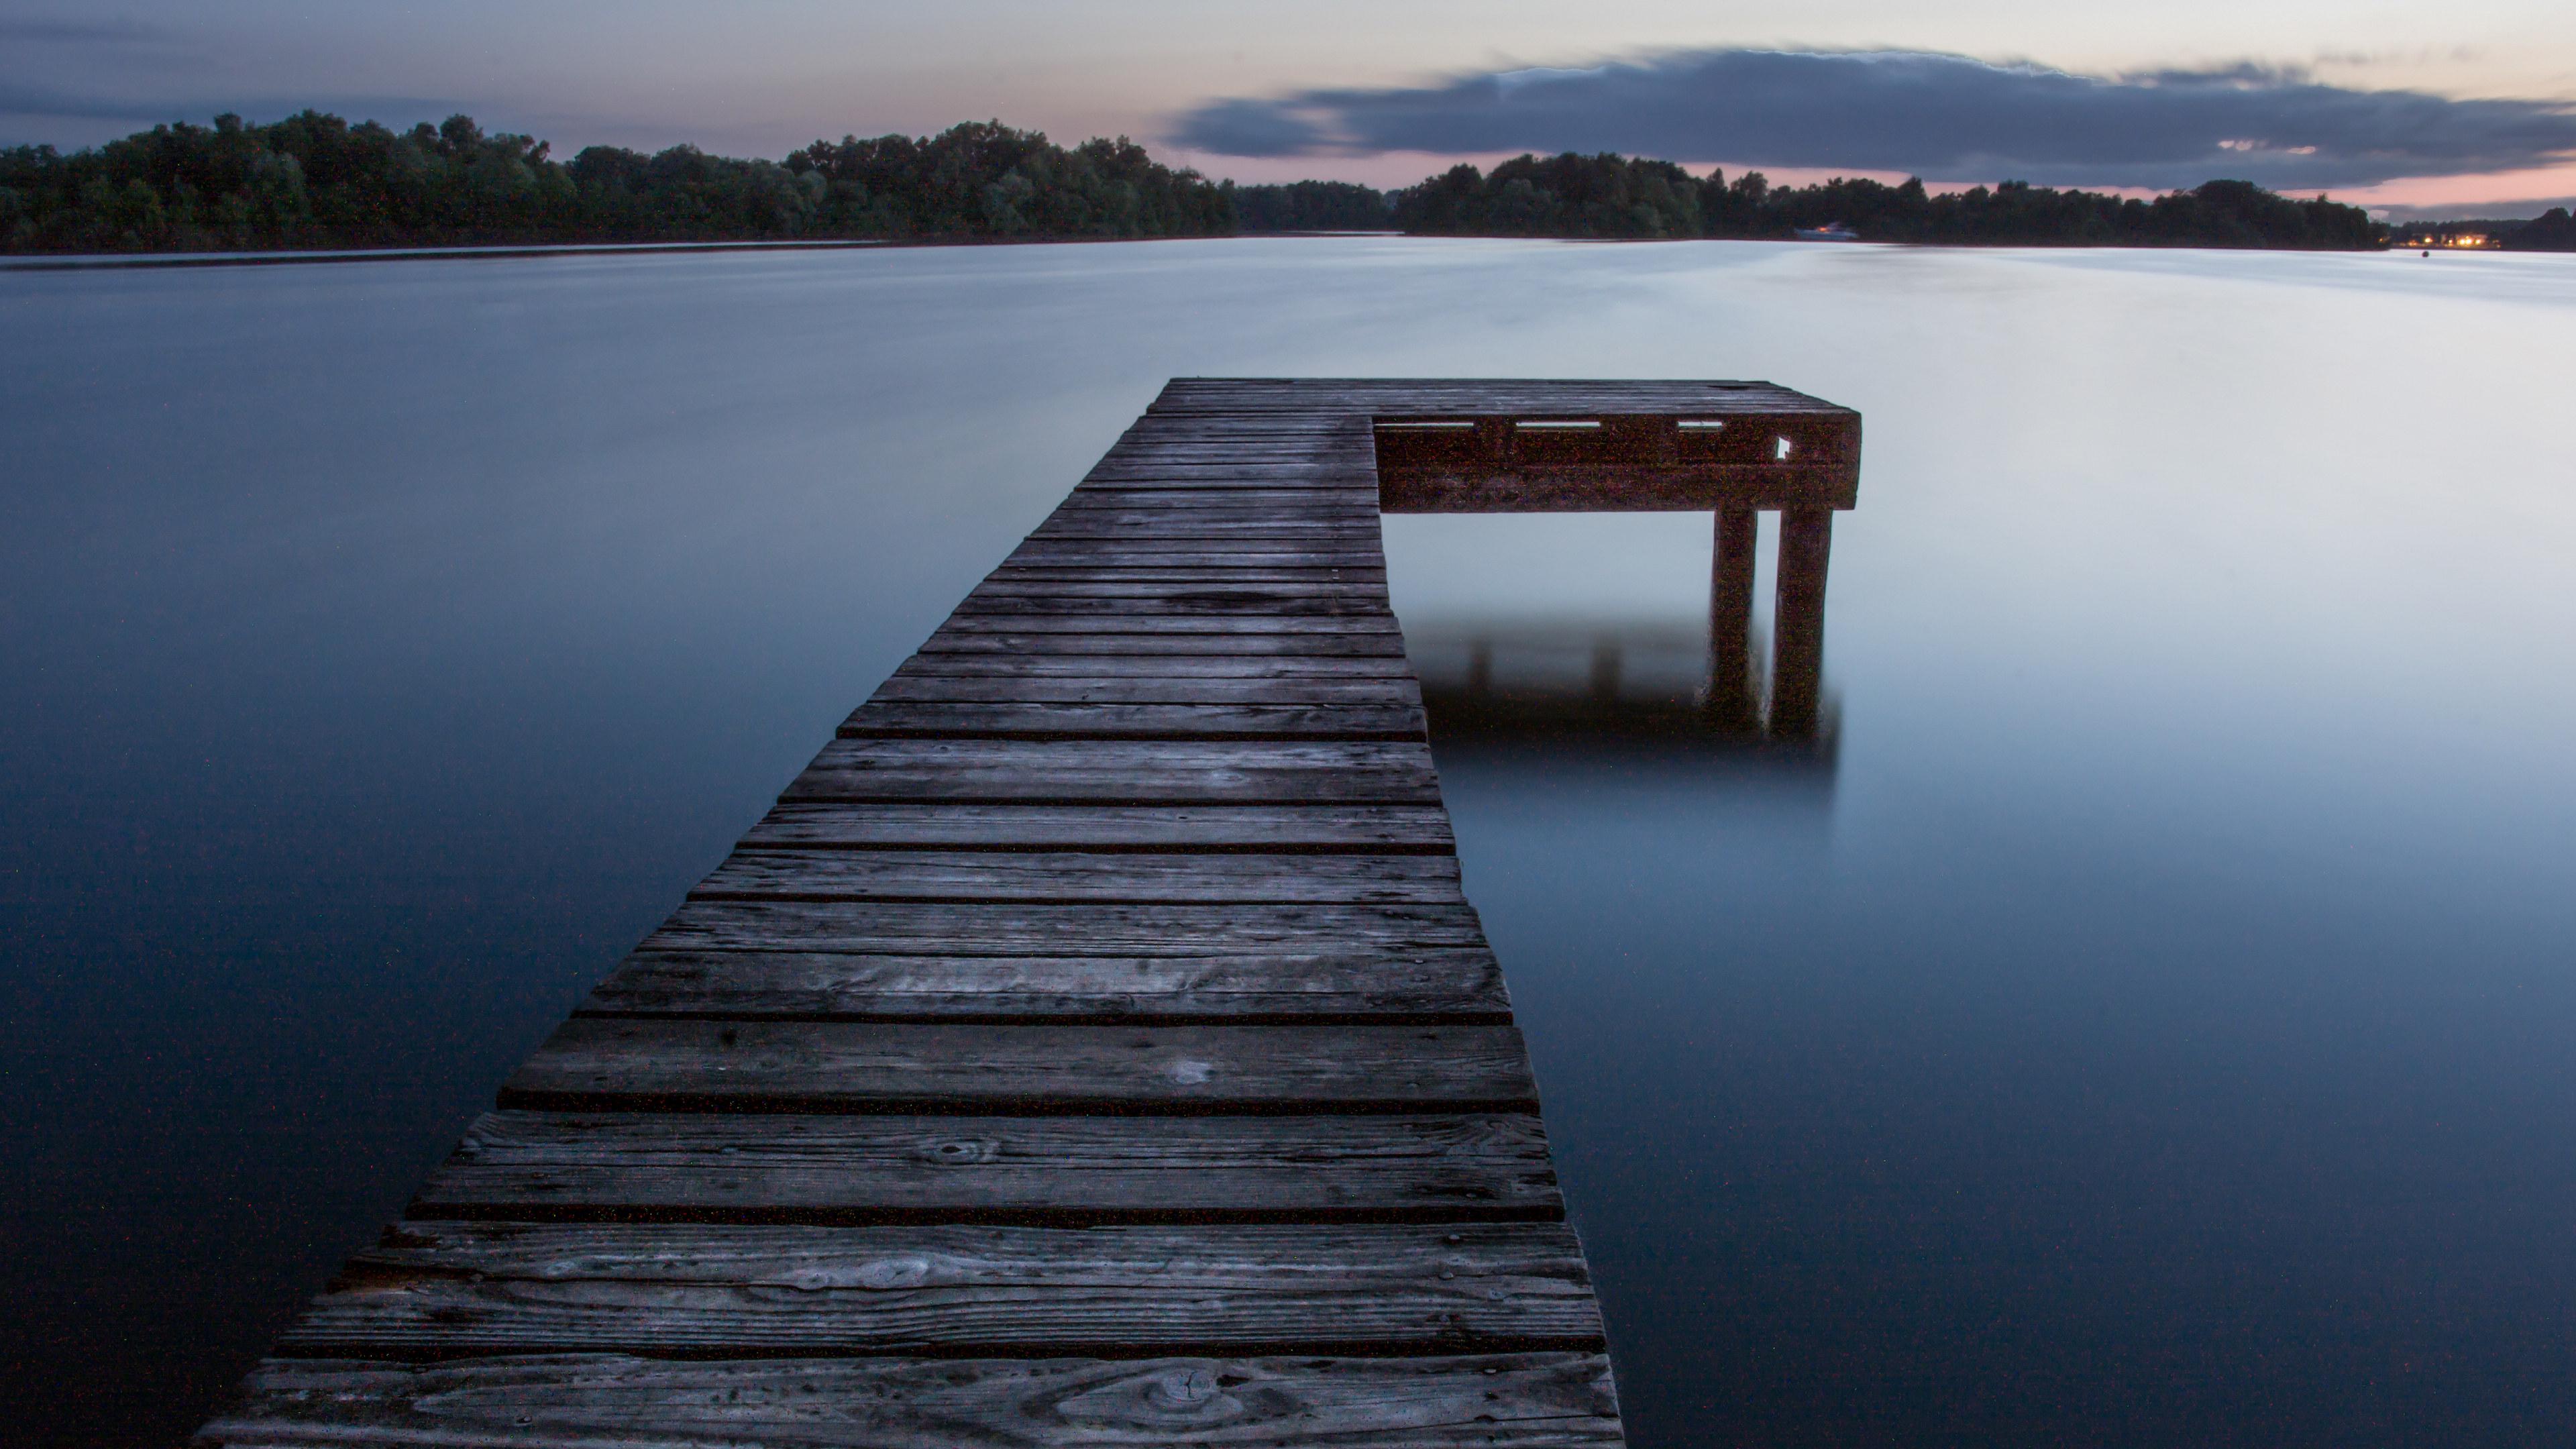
[
  {"x": 1568, "y": 195},
  {"x": 1616, "y": 196},
  {"x": 1313, "y": 206},
  {"x": 2551, "y": 231},
  {"x": 314, "y": 180}
]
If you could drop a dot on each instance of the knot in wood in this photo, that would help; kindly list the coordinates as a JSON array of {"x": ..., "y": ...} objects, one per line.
[
  {"x": 1186, "y": 1388},
  {"x": 963, "y": 1151}
]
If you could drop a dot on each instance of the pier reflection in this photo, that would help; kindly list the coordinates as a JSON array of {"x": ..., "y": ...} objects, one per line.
[{"x": 1617, "y": 690}]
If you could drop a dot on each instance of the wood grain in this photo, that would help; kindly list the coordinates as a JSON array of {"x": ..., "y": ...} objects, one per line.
[
  {"x": 647, "y": 1064},
  {"x": 1068, "y": 876},
  {"x": 601, "y": 1401},
  {"x": 1110, "y": 772},
  {"x": 438, "y": 1289},
  {"x": 1020, "y": 928},
  {"x": 1330, "y": 981},
  {"x": 1065, "y": 1171},
  {"x": 898, "y": 825}
]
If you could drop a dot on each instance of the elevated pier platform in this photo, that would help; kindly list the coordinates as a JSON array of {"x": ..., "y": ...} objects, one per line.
[{"x": 1094, "y": 1045}]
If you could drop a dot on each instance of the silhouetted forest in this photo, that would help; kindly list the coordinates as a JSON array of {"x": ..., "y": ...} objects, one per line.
[
  {"x": 314, "y": 180},
  {"x": 2551, "y": 231},
  {"x": 1620, "y": 196},
  {"x": 1313, "y": 206}
]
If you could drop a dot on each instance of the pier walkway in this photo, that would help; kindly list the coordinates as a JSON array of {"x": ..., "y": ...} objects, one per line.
[{"x": 1094, "y": 1045}]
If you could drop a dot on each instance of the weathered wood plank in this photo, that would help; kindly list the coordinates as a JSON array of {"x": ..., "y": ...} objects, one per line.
[
  {"x": 1373, "y": 692},
  {"x": 1129, "y": 571},
  {"x": 650, "y": 1064},
  {"x": 1613, "y": 489},
  {"x": 1224, "y": 526},
  {"x": 1349, "y": 494},
  {"x": 1336, "y": 981},
  {"x": 683, "y": 1290},
  {"x": 1143, "y": 609},
  {"x": 1154, "y": 616},
  {"x": 1035, "y": 720},
  {"x": 794, "y": 825},
  {"x": 920, "y": 928},
  {"x": 1115, "y": 772},
  {"x": 1505, "y": 1401},
  {"x": 1038, "y": 1171},
  {"x": 1147, "y": 551},
  {"x": 995, "y": 664},
  {"x": 1063, "y": 876},
  {"x": 1217, "y": 589},
  {"x": 1024, "y": 643},
  {"x": 1296, "y": 526}
]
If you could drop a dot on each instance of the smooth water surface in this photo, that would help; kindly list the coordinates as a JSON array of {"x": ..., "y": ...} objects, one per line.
[{"x": 2150, "y": 1019}]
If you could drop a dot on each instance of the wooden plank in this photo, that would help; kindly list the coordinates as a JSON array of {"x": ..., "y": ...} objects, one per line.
[
  {"x": 1148, "y": 616},
  {"x": 1114, "y": 772},
  {"x": 1556, "y": 1400},
  {"x": 1349, "y": 448},
  {"x": 1351, "y": 496},
  {"x": 1326, "y": 981},
  {"x": 1035, "y": 720},
  {"x": 1145, "y": 608},
  {"x": 1702, "y": 488},
  {"x": 1033, "y": 929},
  {"x": 793, "y": 825},
  {"x": 1246, "y": 561},
  {"x": 1145, "y": 479},
  {"x": 1298, "y": 525},
  {"x": 1239, "y": 646},
  {"x": 650, "y": 1064},
  {"x": 1227, "y": 589},
  {"x": 1348, "y": 577},
  {"x": 680, "y": 1290},
  {"x": 1036, "y": 1171},
  {"x": 1066, "y": 876},
  {"x": 995, "y": 664},
  {"x": 1148, "y": 549},
  {"x": 1134, "y": 523},
  {"x": 1370, "y": 691}
]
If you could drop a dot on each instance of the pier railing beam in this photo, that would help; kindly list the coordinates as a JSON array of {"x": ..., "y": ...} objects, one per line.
[
  {"x": 1732, "y": 704},
  {"x": 1798, "y": 627}
]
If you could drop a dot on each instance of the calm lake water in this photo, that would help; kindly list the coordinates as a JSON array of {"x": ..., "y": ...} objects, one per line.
[{"x": 2149, "y": 1020}]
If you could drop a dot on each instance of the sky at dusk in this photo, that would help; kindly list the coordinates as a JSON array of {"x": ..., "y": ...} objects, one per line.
[{"x": 2404, "y": 105}]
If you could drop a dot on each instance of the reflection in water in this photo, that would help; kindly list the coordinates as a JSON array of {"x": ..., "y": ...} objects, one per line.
[
  {"x": 1607, "y": 690},
  {"x": 1609, "y": 685}
]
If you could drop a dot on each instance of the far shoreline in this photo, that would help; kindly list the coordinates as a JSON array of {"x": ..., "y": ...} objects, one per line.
[{"x": 153, "y": 261}]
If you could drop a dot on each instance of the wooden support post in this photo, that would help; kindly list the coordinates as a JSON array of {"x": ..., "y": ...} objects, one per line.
[
  {"x": 1731, "y": 702},
  {"x": 1798, "y": 621}
]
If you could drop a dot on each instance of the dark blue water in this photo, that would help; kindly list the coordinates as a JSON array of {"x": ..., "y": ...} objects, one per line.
[{"x": 2147, "y": 1020}]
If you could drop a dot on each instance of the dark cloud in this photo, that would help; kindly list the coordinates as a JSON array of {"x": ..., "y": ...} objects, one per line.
[{"x": 1946, "y": 117}]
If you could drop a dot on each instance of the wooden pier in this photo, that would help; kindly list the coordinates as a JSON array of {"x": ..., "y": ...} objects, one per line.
[{"x": 1094, "y": 1045}]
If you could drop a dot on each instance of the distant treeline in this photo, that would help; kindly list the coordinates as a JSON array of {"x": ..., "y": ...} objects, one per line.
[
  {"x": 1313, "y": 206},
  {"x": 314, "y": 180},
  {"x": 2551, "y": 231},
  {"x": 1620, "y": 196}
]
